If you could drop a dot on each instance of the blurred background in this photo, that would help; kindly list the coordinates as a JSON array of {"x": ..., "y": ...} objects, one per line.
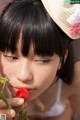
[{"x": 3, "y": 3}]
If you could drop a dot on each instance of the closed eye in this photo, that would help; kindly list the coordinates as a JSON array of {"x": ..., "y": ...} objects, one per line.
[
  {"x": 43, "y": 61},
  {"x": 11, "y": 57}
]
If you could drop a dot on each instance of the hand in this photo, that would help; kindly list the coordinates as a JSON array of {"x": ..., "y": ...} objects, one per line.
[{"x": 15, "y": 102}]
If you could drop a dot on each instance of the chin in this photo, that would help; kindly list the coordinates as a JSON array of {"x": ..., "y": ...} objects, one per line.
[{"x": 33, "y": 97}]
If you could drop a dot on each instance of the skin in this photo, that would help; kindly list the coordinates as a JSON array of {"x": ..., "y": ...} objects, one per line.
[{"x": 30, "y": 72}]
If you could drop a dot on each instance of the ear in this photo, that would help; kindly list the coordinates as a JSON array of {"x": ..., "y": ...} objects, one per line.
[{"x": 65, "y": 57}]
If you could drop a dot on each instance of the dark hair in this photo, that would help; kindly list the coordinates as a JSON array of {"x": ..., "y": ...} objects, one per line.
[
  {"x": 68, "y": 69},
  {"x": 30, "y": 18},
  {"x": 73, "y": 56}
]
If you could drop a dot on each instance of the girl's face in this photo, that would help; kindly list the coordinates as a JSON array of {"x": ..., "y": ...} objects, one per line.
[{"x": 33, "y": 72}]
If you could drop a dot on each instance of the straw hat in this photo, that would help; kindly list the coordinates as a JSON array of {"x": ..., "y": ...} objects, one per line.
[{"x": 66, "y": 14}]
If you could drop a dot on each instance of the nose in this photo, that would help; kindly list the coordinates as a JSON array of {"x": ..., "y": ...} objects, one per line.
[{"x": 24, "y": 71}]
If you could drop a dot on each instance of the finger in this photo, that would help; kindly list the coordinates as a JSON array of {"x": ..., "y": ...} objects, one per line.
[
  {"x": 17, "y": 84},
  {"x": 13, "y": 101},
  {"x": 8, "y": 113}
]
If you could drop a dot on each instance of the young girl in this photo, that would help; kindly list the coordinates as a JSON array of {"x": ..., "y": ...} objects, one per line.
[{"x": 33, "y": 52}]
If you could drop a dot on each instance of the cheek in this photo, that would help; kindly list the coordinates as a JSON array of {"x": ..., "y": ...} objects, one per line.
[
  {"x": 45, "y": 76},
  {"x": 8, "y": 69}
]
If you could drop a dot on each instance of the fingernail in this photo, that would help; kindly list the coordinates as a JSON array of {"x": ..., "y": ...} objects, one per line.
[
  {"x": 20, "y": 101},
  {"x": 11, "y": 113}
]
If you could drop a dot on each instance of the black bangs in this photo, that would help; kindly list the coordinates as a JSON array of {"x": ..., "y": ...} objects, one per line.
[
  {"x": 37, "y": 28},
  {"x": 39, "y": 31}
]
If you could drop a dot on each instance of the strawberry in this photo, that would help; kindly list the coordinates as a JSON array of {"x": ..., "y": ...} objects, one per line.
[{"x": 23, "y": 92}]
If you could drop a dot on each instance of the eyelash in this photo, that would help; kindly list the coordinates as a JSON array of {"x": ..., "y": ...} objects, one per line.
[
  {"x": 43, "y": 61},
  {"x": 11, "y": 57}
]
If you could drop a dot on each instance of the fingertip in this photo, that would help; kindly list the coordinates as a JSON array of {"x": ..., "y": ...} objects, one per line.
[
  {"x": 20, "y": 101},
  {"x": 11, "y": 113}
]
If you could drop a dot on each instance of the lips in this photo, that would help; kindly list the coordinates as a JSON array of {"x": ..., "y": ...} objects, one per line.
[
  {"x": 30, "y": 90},
  {"x": 13, "y": 90}
]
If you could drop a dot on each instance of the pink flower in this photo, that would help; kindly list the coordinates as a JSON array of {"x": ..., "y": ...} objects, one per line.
[
  {"x": 75, "y": 29},
  {"x": 22, "y": 92}
]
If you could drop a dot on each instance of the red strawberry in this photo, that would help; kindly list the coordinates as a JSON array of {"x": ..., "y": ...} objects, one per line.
[{"x": 23, "y": 92}]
